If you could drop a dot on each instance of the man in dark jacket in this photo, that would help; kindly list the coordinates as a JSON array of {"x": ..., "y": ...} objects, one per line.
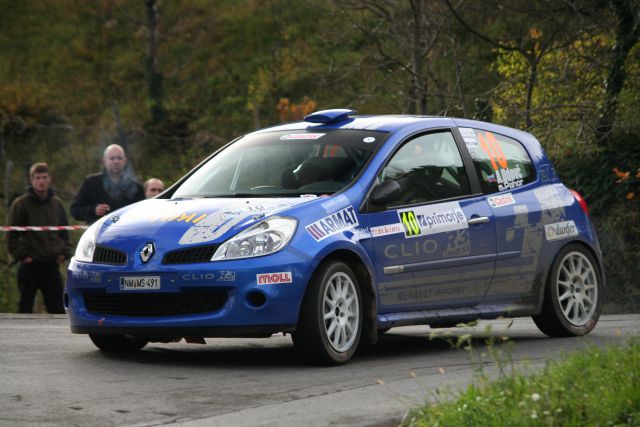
[
  {"x": 107, "y": 191},
  {"x": 39, "y": 252}
]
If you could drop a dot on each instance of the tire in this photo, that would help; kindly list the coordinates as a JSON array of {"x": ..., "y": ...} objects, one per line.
[
  {"x": 573, "y": 294},
  {"x": 118, "y": 343},
  {"x": 331, "y": 318}
]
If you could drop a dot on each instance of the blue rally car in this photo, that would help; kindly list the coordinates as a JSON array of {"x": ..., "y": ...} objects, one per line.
[{"x": 338, "y": 228}]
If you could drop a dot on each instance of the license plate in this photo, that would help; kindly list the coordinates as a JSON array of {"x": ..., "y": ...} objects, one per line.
[{"x": 135, "y": 283}]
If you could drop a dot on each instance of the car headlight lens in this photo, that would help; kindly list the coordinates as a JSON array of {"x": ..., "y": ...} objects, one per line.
[
  {"x": 87, "y": 244},
  {"x": 264, "y": 238}
]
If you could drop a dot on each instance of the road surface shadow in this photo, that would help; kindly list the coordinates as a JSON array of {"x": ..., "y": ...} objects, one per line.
[{"x": 280, "y": 352}]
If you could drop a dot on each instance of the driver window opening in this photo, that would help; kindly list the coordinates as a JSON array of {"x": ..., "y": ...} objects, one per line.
[{"x": 427, "y": 168}]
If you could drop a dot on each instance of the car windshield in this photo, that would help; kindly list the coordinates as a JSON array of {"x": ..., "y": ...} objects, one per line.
[{"x": 284, "y": 164}]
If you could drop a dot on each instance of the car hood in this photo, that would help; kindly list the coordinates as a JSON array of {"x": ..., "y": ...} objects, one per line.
[{"x": 190, "y": 221}]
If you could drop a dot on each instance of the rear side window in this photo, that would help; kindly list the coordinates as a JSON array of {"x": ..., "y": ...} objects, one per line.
[{"x": 501, "y": 162}]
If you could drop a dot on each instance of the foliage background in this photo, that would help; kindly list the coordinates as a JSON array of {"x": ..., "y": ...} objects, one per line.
[{"x": 172, "y": 81}]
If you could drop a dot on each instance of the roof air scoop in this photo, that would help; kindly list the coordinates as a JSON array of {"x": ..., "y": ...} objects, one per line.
[{"x": 329, "y": 116}]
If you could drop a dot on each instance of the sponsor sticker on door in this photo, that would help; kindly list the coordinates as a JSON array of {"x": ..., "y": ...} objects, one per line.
[
  {"x": 501, "y": 200},
  {"x": 432, "y": 219}
]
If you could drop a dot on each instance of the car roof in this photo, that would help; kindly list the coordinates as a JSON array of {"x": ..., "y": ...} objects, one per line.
[{"x": 394, "y": 123}]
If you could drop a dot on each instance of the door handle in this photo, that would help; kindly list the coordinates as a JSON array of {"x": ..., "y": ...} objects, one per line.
[{"x": 478, "y": 220}]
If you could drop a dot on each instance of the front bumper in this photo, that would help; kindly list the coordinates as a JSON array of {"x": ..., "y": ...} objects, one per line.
[{"x": 96, "y": 305}]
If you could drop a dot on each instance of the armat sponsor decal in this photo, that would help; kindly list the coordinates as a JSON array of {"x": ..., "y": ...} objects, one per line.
[
  {"x": 432, "y": 219},
  {"x": 342, "y": 220},
  {"x": 501, "y": 200},
  {"x": 274, "y": 278},
  {"x": 560, "y": 230},
  {"x": 301, "y": 136}
]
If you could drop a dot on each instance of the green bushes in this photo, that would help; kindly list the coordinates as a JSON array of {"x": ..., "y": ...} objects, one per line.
[{"x": 597, "y": 387}]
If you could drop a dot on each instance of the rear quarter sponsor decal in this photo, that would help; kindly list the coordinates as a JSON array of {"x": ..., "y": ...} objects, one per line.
[
  {"x": 560, "y": 230},
  {"x": 274, "y": 278},
  {"x": 501, "y": 200},
  {"x": 549, "y": 197},
  {"x": 432, "y": 219},
  {"x": 335, "y": 223}
]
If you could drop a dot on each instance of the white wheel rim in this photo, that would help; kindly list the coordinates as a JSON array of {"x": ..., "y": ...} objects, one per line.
[
  {"x": 340, "y": 311},
  {"x": 577, "y": 288}
]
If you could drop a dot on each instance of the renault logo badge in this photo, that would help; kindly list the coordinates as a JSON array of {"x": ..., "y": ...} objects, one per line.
[{"x": 147, "y": 252}]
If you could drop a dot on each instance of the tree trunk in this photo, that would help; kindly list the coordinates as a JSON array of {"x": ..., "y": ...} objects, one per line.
[
  {"x": 531, "y": 83},
  {"x": 627, "y": 35},
  {"x": 419, "y": 96},
  {"x": 154, "y": 78}
]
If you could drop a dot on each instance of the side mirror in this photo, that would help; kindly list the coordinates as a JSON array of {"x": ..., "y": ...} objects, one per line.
[{"x": 385, "y": 192}]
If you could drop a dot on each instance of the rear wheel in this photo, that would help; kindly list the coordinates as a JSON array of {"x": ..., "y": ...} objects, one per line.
[
  {"x": 573, "y": 294},
  {"x": 118, "y": 343},
  {"x": 331, "y": 319}
]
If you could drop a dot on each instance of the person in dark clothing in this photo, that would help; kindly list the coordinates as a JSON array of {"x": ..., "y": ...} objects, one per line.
[
  {"x": 107, "y": 191},
  {"x": 39, "y": 252}
]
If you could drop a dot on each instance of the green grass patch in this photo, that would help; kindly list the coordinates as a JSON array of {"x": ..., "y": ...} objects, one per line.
[{"x": 596, "y": 387}]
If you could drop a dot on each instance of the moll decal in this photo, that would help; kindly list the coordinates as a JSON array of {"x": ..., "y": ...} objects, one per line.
[
  {"x": 501, "y": 200},
  {"x": 274, "y": 278},
  {"x": 560, "y": 230},
  {"x": 432, "y": 219},
  {"x": 342, "y": 220}
]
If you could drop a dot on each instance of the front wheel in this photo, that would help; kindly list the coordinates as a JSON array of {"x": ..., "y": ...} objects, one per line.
[
  {"x": 573, "y": 294},
  {"x": 331, "y": 318},
  {"x": 118, "y": 343}
]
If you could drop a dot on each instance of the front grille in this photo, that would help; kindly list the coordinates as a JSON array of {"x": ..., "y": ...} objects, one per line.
[
  {"x": 104, "y": 255},
  {"x": 155, "y": 304},
  {"x": 190, "y": 255}
]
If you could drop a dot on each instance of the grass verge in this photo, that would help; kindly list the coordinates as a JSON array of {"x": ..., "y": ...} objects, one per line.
[{"x": 596, "y": 387}]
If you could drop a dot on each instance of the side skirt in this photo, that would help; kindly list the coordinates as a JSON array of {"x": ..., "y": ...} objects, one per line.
[{"x": 452, "y": 316}]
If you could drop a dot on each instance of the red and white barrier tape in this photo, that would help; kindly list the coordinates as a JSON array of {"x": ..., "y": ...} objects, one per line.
[{"x": 43, "y": 227}]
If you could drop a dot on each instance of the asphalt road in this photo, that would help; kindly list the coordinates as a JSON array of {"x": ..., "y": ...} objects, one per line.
[{"x": 50, "y": 377}]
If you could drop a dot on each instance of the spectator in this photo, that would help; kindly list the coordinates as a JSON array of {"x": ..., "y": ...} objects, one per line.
[
  {"x": 152, "y": 187},
  {"x": 39, "y": 252},
  {"x": 108, "y": 190}
]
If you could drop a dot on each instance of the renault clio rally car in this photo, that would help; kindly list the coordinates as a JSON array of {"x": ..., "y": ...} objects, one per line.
[{"x": 340, "y": 227}]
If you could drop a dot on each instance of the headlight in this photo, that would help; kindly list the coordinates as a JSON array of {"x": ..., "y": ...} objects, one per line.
[
  {"x": 264, "y": 238},
  {"x": 87, "y": 244}
]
